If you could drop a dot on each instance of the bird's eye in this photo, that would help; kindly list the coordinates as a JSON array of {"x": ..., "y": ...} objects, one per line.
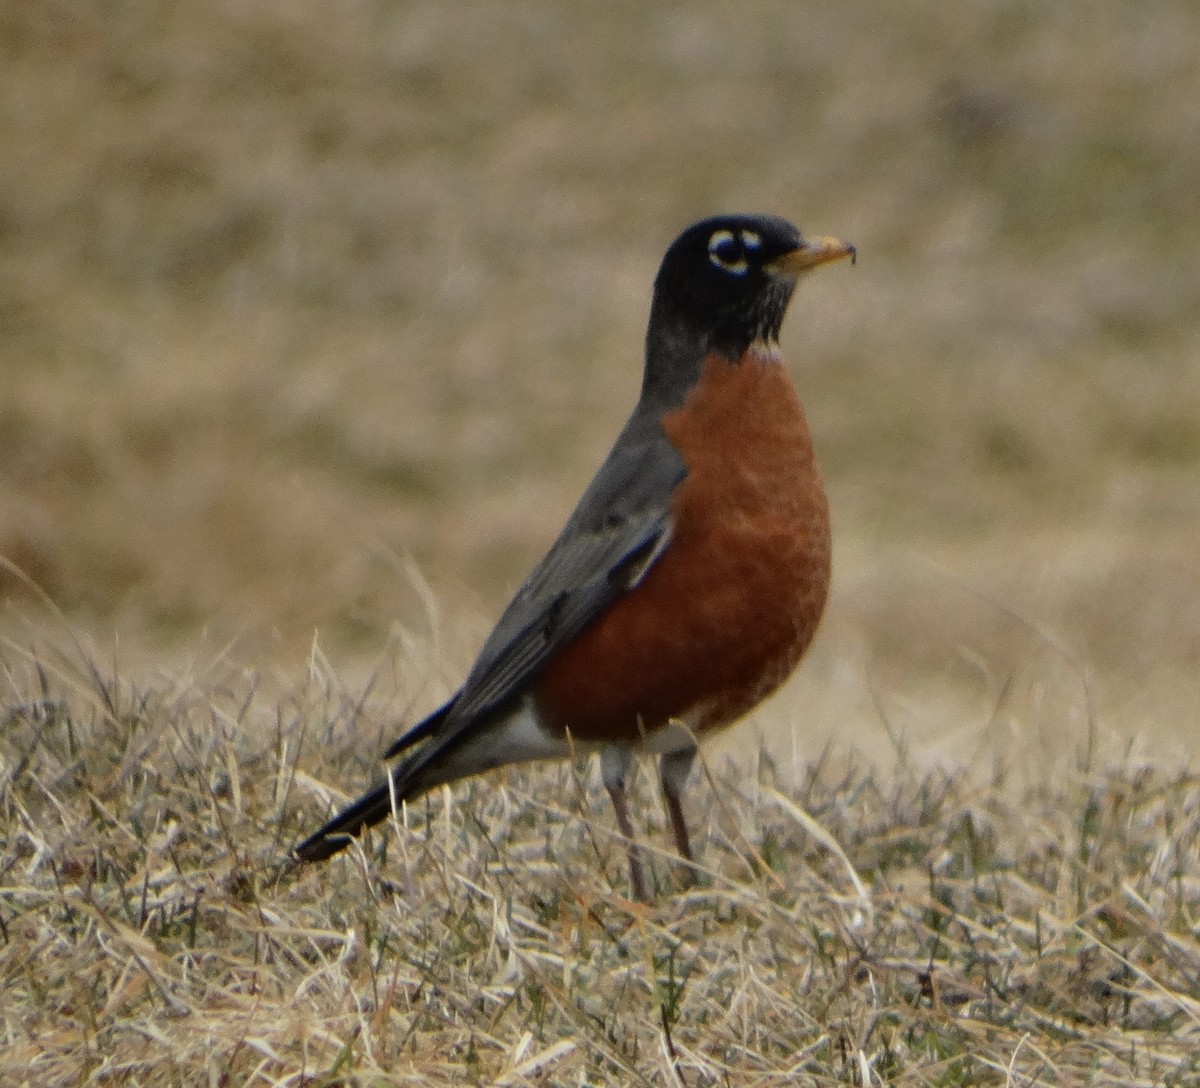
[{"x": 726, "y": 251}]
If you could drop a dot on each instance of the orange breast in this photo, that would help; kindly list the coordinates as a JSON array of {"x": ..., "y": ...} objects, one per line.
[{"x": 727, "y": 611}]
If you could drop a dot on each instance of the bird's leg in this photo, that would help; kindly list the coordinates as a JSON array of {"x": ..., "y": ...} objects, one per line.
[
  {"x": 615, "y": 761},
  {"x": 674, "y": 769}
]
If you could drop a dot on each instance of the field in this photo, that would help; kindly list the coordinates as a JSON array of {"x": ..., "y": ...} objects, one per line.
[{"x": 314, "y": 320}]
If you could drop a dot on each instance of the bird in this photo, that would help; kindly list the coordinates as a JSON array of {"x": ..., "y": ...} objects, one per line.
[{"x": 689, "y": 580}]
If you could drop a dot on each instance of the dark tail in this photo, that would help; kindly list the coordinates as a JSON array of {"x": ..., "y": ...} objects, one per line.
[
  {"x": 374, "y": 807},
  {"x": 370, "y": 809}
]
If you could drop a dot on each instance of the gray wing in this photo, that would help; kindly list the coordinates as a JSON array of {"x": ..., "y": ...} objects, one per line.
[{"x": 614, "y": 535}]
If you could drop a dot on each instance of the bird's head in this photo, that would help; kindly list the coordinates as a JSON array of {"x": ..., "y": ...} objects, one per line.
[{"x": 727, "y": 281}]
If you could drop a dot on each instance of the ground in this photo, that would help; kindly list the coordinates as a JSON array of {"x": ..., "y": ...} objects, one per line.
[{"x": 315, "y": 319}]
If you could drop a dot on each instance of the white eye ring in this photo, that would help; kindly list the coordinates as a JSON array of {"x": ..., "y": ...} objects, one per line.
[{"x": 721, "y": 238}]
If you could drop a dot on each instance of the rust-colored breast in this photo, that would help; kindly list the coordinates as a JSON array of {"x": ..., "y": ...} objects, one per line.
[{"x": 724, "y": 615}]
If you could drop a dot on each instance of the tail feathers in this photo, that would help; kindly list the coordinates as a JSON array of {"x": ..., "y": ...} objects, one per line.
[
  {"x": 374, "y": 807},
  {"x": 513, "y": 737},
  {"x": 370, "y": 809},
  {"x": 424, "y": 728}
]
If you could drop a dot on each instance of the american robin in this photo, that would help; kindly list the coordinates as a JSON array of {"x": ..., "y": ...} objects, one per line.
[{"x": 689, "y": 580}]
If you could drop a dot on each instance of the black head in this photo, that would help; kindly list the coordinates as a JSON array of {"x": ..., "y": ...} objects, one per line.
[{"x": 726, "y": 281}]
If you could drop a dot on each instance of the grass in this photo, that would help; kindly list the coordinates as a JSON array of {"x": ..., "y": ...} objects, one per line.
[
  {"x": 315, "y": 319},
  {"x": 285, "y": 292},
  {"x": 961, "y": 932}
]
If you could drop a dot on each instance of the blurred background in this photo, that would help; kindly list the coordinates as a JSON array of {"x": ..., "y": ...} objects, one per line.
[{"x": 316, "y": 318}]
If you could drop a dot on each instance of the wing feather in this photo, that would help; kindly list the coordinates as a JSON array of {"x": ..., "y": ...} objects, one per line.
[{"x": 615, "y": 534}]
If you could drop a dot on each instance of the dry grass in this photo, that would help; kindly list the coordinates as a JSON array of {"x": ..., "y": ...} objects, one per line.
[
  {"x": 302, "y": 305},
  {"x": 287, "y": 290},
  {"x": 1046, "y": 934}
]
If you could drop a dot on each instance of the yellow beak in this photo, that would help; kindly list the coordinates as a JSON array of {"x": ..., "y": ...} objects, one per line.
[{"x": 811, "y": 253}]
